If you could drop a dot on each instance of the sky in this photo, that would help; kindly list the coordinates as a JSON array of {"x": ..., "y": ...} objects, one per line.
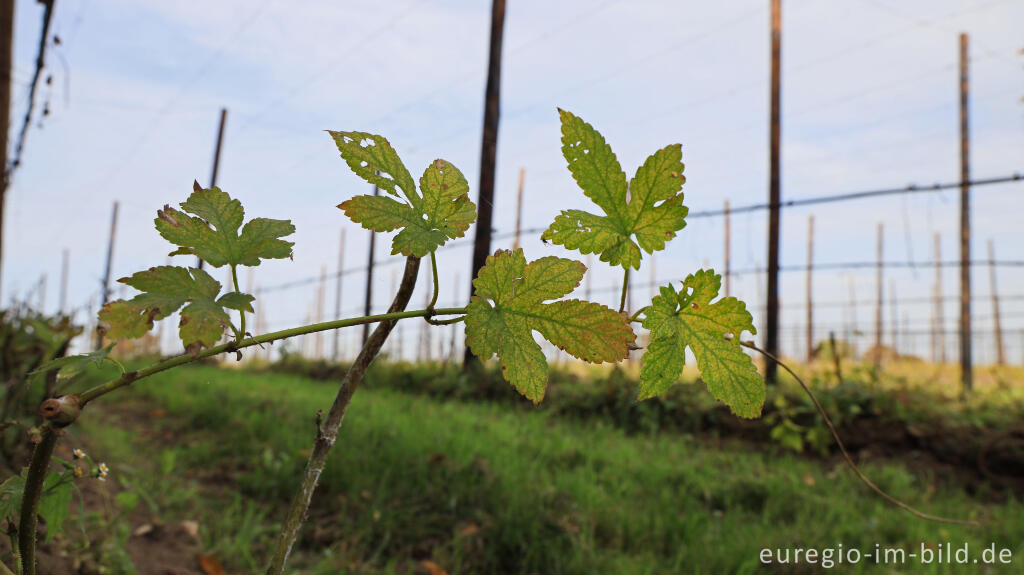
[{"x": 869, "y": 100}]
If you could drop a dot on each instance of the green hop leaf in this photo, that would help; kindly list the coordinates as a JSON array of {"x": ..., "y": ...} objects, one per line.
[
  {"x": 212, "y": 231},
  {"x": 12, "y": 490},
  {"x": 509, "y": 306},
  {"x": 649, "y": 208},
  {"x": 165, "y": 289},
  {"x": 72, "y": 365},
  {"x": 688, "y": 318},
  {"x": 443, "y": 212},
  {"x": 56, "y": 501}
]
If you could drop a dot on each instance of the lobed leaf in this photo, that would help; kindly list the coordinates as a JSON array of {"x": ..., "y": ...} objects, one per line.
[
  {"x": 648, "y": 208},
  {"x": 443, "y": 211},
  {"x": 509, "y": 306},
  {"x": 712, "y": 331},
  {"x": 212, "y": 232},
  {"x": 72, "y": 365},
  {"x": 165, "y": 290},
  {"x": 12, "y": 490},
  {"x": 55, "y": 504}
]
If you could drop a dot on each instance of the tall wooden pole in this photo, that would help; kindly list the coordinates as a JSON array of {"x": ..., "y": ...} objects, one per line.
[
  {"x": 519, "y": 208},
  {"x": 728, "y": 249},
  {"x": 772, "y": 335},
  {"x": 488, "y": 149},
  {"x": 894, "y": 326},
  {"x": 337, "y": 295},
  {"x": 6, "y": 66},
  {"x": 966, "y": 375},
  {"x": 265, "y": 351},
  {"x": 835, "y": 356},
  {"x": 216, "y": 159},
  {"x": 369, "y": 278},
  {"x": 105, "y": 287},
  {"x": 879, "y": 300},
  {"x": 997, "y": 325},
  {"x": 216, "y": 151},
  {"x": 320, "y": 293},
  {"x": 853, "y": 317},
  {"x": 65, "y": 260},
  {"x": 653, "y": 290},
  {"x": 423, "y": 350},
  {"x": 586, "y": 279},
  {"x": 940, "y": 315},
  {"x": 810, "y": 301}
]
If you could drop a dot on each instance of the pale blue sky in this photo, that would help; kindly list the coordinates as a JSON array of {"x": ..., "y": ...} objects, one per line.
[{"x": 869, "y": 100}]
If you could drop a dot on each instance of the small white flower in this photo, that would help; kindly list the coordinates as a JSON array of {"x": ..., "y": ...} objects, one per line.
[
  {"x": 78, "y": 454},
  {"x": 104, "y": 469}
]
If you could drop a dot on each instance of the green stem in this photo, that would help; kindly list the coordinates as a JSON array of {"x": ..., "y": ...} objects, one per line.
[
  {"x": 846, "y": 455},
  {"x": 625, "y": 288},
  {"x": 126, "y": 379},
  {"x": 636, "y": 316},
  {"x": 5, "y": 570},
  {"x": 327, "y": 432},
  {"x": 241, "y": 314},
  {"x": 30, "y": 500},
  {"x": 437, "y": 283},
  {"x": 433, "y": 321}
]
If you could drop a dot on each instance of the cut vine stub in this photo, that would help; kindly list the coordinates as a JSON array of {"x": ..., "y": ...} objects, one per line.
[{"x": 61, "y": 411}]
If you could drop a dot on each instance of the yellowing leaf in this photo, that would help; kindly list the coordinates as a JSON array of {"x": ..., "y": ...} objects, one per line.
[
  {"x": 688, "y": 318},
  {"x": 509, "y": 306},
  {"x": 211, "y": 233},
  {"x": 649, "y": 208},
  {"x": 210, "y": 565},
  {"x": 166, "y": 289},
  {"x": 427, "y": 221}
]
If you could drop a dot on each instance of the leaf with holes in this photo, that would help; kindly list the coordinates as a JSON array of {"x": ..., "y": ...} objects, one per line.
[
  {"x": 443, "y": 211},
  {"x": 642, "y": 214},
  {"x": 166, "y": 289},
  {"x": 211, "y": 233},
  {"x": 689, "y": 319},
  {"x": 509, "y": 306}
]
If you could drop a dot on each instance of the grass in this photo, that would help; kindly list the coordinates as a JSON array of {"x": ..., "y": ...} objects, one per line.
[{"x": 480, "y": 488}]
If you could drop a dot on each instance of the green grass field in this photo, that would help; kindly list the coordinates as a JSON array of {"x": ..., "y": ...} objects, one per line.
[{"x": 481, "y": 488}]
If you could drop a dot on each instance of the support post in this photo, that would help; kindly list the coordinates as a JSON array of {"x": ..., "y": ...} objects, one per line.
[
  {"x": 337, "y": 295},
  {"x": 519, "y": 208},
  {"x": 64, "y": 264},
  {"x": 810, "y": 301},
  {"x": 835, "y": 357},
  {"x": 879, "y": 300},
  {"x": 488, "y": 150},
  {"x": 894, "y": 325},
  {"x": 966, "y": 372},
  {"x": 586, "y": 278},
  {"x": 728, "y": 249},
  {"x": 105, "y": 287},
  {"x": 216, "y": 159},
  {"x": 369, "y": 278},
  {"x": 318, "y": 349},
  {"x": 997, "y": 325},
  {"x": 6, "y": 67},
  {"x": 940, "y": 316},
  {"x": 853, "y": 329},
  {"x": 772, "y": 335}
]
